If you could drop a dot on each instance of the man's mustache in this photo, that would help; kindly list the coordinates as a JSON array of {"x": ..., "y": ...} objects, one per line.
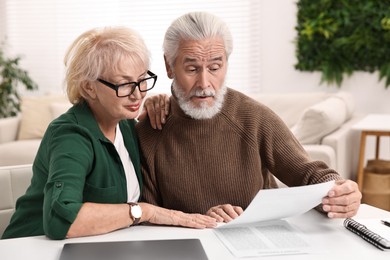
[{"x": 204, "y": 93}]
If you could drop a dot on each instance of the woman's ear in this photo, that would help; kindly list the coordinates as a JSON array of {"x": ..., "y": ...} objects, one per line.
[
  {"x": 168, "y": 68},
  {"x": 89, "y": 88}
]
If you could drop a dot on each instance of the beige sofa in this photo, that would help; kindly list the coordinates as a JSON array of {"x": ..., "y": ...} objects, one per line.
[
  {"x": 20, "y": 136},
  {"x": 321, "y": 121},
  {"x": 14, "y": 181}
]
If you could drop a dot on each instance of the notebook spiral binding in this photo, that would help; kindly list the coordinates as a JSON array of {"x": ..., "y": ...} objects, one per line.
[{"x": 366, "y": 234}]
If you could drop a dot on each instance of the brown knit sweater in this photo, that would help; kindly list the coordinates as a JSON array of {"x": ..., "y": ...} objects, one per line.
[{"x": 192, "y": 165}]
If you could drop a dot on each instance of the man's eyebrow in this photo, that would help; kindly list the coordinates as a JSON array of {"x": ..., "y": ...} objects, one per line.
[
  {"x": 188, "y": 59},
  {"x": 219, "y": 58}
]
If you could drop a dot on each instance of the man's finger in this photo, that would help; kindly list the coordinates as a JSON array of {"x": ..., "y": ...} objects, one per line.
[
  {"x": 223, "y": 214},
  {"x": 343, "y": 187}
]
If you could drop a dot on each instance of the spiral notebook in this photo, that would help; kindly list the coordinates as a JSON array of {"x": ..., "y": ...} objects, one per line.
[{"x": 373, "y": 231}]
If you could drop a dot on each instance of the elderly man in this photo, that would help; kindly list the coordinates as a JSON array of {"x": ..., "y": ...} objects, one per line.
[{"x": 219, "y": 147}]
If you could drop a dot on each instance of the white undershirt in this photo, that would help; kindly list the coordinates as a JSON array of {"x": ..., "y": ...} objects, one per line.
[{"x": 133, "y": 191}]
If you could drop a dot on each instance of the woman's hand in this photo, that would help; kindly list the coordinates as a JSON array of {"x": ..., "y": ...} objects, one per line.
[
  {"x": 157, "y": 108},
  {"x": 162, "y": 216}
]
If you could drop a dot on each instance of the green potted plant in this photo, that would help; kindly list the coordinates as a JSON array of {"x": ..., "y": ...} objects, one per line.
[
  {"x": 338, "y": 38},
  {"x": 12, "y": 76}
]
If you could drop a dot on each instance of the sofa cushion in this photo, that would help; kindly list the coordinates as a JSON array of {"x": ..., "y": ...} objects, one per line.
[
  {"x": 19, "y": 152},
  {"x": 58, "y": 109},
  {"x": 349, "y": 102},
  {"x": 36, "y": 115},
  {"x": 290, "y": 106},
  {"x": 320, "y": 119}
]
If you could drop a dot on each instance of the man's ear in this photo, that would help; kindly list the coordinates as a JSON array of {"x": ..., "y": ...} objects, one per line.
[{"x": 168, "y": 68}]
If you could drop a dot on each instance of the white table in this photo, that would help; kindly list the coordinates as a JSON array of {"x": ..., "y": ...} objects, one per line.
[
  {"x": 373, "y": 124},
  {"x": 335, "y": 241}
]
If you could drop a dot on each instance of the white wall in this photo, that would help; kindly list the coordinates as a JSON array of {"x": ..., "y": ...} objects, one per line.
[
  {"x": 278, "y": 60},
  {"x": 2, "y": 20},
  {"x": 41, "y": 31},
  {"x": 277, "y": 54}
]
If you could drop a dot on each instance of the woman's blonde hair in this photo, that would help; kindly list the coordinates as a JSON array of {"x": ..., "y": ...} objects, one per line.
[{"x": 99, "y": 51}]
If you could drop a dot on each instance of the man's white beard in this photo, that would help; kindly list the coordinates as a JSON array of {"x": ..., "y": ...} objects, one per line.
[{"x": 204, "y": 111}]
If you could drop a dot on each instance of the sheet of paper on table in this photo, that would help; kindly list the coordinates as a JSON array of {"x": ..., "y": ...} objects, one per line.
[{"x": 260, "y": 230}]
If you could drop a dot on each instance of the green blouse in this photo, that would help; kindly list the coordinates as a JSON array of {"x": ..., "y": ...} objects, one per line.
[{"x": 75, "y": 163}]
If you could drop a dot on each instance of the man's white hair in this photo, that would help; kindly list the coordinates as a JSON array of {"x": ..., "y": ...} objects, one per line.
[{"x": 195, "y": 26}]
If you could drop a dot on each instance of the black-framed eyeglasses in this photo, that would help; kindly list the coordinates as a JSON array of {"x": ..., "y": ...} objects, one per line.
[{"x": 126, "y": 89}]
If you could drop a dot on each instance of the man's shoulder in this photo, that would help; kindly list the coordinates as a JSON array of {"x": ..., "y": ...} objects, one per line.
[
  {"x": 144, "y": 126},
  {"x": 146, "y": 134},
  {"x": 245, "y": 112},
  {"x": 239, "y": 102}
]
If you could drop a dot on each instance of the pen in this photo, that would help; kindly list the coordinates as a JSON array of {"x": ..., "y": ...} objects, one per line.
[{"x": 386, "y": 223}]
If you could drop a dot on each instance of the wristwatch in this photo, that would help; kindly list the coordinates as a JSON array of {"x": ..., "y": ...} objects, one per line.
[{"x": 135, "y": 212}]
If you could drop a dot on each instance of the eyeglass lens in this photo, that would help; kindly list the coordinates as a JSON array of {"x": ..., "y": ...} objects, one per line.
[{"x": 143, "y": 85}]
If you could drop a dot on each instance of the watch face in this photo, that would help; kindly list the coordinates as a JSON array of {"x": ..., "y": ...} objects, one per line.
[{"x": 136, "y": 211}]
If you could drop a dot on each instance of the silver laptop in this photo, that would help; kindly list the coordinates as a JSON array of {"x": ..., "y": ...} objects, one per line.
[{"x": 183, "y": 249}]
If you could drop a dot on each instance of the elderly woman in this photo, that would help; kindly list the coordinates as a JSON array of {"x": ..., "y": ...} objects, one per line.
[{"x": 86, "y": 175}]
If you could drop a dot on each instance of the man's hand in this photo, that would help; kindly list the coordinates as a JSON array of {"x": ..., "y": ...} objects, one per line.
[
  {"x": 343, "y": 200},
  {"x": 157, "y": 108},
  {"x": 224, "y": 213}
]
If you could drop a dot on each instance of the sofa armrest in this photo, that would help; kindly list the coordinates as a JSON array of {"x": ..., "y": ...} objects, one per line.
[
  {"x": 345, "y": 142},
  {"x": 9, "y": 128},
  {"x": 14, "y": 181},
  {"x": 323, "y": 153}
]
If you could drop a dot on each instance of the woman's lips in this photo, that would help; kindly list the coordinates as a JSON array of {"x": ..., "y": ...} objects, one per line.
[{"x": 133, "y": 107}]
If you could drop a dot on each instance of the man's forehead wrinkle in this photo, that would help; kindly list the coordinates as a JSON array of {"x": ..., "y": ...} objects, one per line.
[
  {"x": 207, "y": 55},
  {"x": 202, "y": 51}
]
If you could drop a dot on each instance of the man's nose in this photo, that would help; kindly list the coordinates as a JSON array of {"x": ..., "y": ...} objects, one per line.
[{"x": 204, "y": 81}]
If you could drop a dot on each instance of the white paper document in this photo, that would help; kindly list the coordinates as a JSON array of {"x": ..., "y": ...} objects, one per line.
[
  {"x": 271, "y": 204},
  {"x": 266, "y": 238},
  {"x": 260, "y": 230}
]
